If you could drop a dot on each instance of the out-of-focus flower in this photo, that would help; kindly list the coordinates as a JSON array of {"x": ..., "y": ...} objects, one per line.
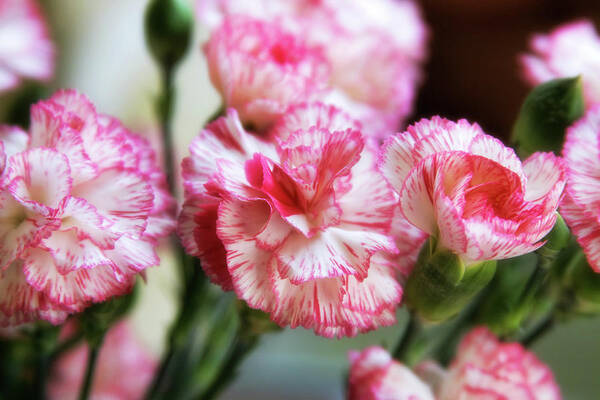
[
  {"x": 580, "y": 205},
  {"x": 121, "y": 355},
  {"x": 260, "y": 69},
  {"x": 374, "y": 375},
  {"x": 485, "y": 368},
  {"x": 25, "y": 48},
  {"x": 302, "y": 237},
  {"x": 569, "y": 50},
  {"x": 82, "y": 205},
  {"x": 470, "y": 192},
  {"x": 375, "y": 50}
]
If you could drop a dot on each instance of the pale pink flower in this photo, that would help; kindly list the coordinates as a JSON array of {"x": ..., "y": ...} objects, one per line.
[
  {"x": 25, "y": 48},
  {"x": 471, "y": 192},
  {"x": 260, "y": 69},
  {"x": 486, "y": 369},
  {"x": 82, "y": 205},
  {"x": 569, "y": 50},
  {"x": 303, "y": 239},
  {"x": 121, "y": 356},
  {"x": 375, "y": 50},
  {"x": 374, "y": 375},
  {"x": 580, "y": 206}
]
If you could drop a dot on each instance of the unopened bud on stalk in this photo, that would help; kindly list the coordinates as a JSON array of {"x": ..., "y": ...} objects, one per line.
[
  {"x": 546, "y": 113},
  {"x": 168, "y": 25},
  {"x": 441, "y": 285}
]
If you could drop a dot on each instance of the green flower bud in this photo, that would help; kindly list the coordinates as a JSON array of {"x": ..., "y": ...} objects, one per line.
[
  {"x": 168, "y": 26},
  {"x": 557, "y": 239},
  {"x": 546, "y": 113},
  {"x": 441, "y": 285}
]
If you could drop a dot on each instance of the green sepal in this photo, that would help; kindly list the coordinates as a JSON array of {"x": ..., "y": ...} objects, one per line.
[
  {"x": 508, "y": 301},
  {"x": 97, "y": 319},
  {"x": 441, "y": 285},
  {"x": 546, "y": 113}
]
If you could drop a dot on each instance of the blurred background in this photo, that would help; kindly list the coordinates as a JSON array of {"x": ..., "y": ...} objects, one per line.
[{"x": 472, "y": 72}]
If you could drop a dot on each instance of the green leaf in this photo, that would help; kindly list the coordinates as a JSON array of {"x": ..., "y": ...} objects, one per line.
[{"x": 546, "y": 113}]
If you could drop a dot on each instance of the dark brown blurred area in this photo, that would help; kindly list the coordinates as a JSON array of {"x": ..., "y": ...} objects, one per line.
[{"x": 473, "y": 70}]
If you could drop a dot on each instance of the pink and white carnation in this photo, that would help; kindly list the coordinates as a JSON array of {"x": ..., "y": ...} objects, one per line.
[
  {"x": 121, "y": 355},
  {"x": 470, "y": 192},
  {"x": 25, "y": 47},
  {"x": 288, "y": 224},
  {"x": 569, "y": 50},
  {"x": 484, "y": 369},
  {"x": 374, "y": 375},
  {"x": 487, "y": 369},
  {"x": 82, "y": 206},
  {"x": 580, "y": 206},
  {"x": 374, "y": 49},
  {"x": 260, "y": 68}
]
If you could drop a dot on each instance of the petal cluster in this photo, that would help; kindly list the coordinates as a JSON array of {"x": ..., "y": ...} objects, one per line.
[
  {"x": 373, "y": 51},
  {"x": 82, "y": 205},
  {"x": 582, "y": 200},
  {"x": 484, "y": 369},
  {"x": 471, "y": 192},
  {"x": 374, "y": 375},
  {"x": 569, "y": 50},
  {"x": 488, "y": 369},
  {"x": 288, "y": 223},
  {"x": 25, "y": 48},
  {"x": 260, "y": 69},
  {"x": 121, "y": 355}
]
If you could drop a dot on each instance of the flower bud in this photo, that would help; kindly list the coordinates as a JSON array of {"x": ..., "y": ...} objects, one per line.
[
  {"x": 168, "y": 28},
  {"x": 546, "y": 113},
  {"x": 441, "y": 285}
]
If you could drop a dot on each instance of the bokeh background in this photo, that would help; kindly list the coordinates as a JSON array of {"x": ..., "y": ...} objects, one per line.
[{"x": 472, "y": 72}]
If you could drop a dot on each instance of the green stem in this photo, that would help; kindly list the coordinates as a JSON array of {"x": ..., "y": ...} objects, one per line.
[
  {"x": 66, "y": 345},
  {"x": 243, "y": 346},
  {"x": 165, "y": 112},
  {"x": 539, "y": 331},
  {"x": 408, "y": 335},
  {"x": 86, "y": 387}
]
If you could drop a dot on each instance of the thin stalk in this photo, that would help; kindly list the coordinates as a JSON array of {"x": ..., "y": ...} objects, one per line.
[
  {"x": 243, "y": 346},
  {"x": 66, "y": 345},
  {"x": 86, "y": 387},
  {"x": 539, "y": 331},
  {"x": 408, "y": 336}
]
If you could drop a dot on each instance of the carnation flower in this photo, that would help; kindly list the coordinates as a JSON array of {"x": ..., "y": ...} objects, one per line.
[
  {"x": 470, "y": 192},
  {"x": 374, "y": 375},
  {"x": 260, "y": 69},
  {"x": 569, "y": 50},
  {"x": 302, "y": 238},
  {"x": 580, "y": 205},
  {"x": 485, "y": 368},
  {"x": 25, "y": 48},
  {"x": 83, "y": 204},
  {"x": 121, "y": 355},
  {"x": 374, "y": 49}
]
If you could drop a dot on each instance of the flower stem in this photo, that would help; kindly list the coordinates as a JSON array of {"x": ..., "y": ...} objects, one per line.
[
  {"x": 539, "y": 331},
  {"x": 86, "y": 388},
  {"x": 165, "y": 105},
  {"x": 408, "y": 336}
]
